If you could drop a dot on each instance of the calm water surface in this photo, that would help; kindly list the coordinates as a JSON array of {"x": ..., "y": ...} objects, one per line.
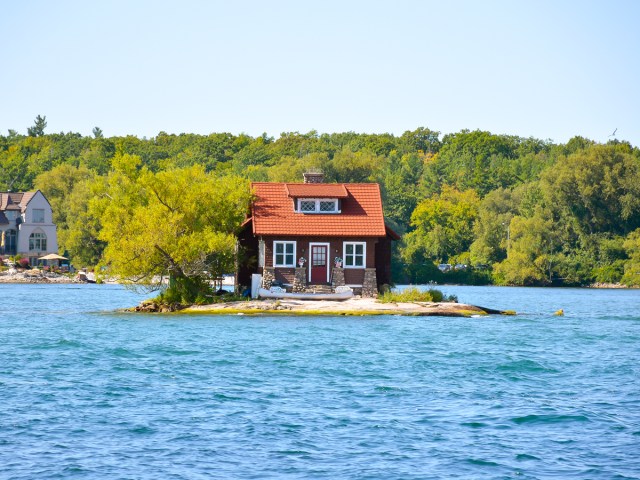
[{"x": 88, "y": 393}]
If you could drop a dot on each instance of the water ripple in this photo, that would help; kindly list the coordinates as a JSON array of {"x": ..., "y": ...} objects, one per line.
[{"x": 146, "y": 397}]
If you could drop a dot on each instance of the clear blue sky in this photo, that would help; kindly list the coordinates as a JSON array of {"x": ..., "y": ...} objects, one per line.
[{"x": 547, "y": 69}]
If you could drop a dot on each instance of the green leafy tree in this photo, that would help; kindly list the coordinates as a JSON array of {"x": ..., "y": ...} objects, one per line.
[
  {"x": 491, "y": 230},
  {"x": 442, "y": 227},
  {"x": 611, "y": 257},
  {"x": 290, "y": 169},
  {"x": 256, "y": 153},
  {"x": 631, "y": 275},
  {"x": 595, "y": 190},
  {"x": 70, "y": 189},
  {"x": 97, "y": 155},
  {"x": 14, "y": 169},
  {"x": 532, "y": 253},
  {"x": 420, "y": 140},
  {"x": 348, "y": 166},
  {"x": 81, "y": 237},
  {"x": 177, "y": 223},
  {"x": 57, "y": 185},
  {"x": 399, "y": 180},
  {"x": 576, "y": 144}
]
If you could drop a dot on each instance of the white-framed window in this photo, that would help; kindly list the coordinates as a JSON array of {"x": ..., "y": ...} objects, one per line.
[
  {"x": 38, "y": 215},
  {"x": 354, "y": 254},
  {"x": 37, "y": 242},
  {"x": 328, "y": 206},
  {"x": 318, "y": 205},
  {"x": 284, "y": 254},
  {"x": 307, "y": 206}
]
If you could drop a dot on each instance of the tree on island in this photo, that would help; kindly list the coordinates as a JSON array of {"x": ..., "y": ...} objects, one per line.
[{"x": 179, "y": 224}]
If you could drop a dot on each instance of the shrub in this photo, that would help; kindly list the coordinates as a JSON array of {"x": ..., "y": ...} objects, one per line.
[
  {"x": 436, "y": 295},
  {"x": 23, "y": 262},
  {"x": 200, "y": 300},
  {"x": 412, "y": 294},
  {"x": 609, "y": 273},
  {"x": 169, "y": 296}
]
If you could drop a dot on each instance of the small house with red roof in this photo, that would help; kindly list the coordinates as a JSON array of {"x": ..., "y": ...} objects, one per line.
[{"x": 313, "y": 236}]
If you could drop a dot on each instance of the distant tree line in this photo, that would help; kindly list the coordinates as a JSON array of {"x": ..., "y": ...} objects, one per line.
[{"x": 518, "y": 211}]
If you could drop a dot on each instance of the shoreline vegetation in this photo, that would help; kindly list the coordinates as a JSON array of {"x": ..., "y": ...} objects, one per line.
[{"x": 472, "y": 207}]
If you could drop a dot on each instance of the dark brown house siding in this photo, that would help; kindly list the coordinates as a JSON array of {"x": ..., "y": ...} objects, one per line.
[
  {"x": 335, "y": 247},
  {"x": 353, "y": 276},
  {"x": 378, "y": 256},
  {"x": 383, "y": 262}
]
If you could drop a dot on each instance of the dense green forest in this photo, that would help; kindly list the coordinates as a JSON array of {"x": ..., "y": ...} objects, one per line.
[{"x": 517, "y": 211}]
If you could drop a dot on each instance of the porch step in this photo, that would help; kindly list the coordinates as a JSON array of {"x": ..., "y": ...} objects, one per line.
[{"x": 319, "y": 289}]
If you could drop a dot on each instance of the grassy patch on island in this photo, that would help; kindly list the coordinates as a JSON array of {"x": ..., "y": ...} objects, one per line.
[{"x": 413, "y": 294}]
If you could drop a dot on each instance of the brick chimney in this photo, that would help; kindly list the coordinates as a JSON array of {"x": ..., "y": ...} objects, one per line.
[{"x": 313, "y": 177}]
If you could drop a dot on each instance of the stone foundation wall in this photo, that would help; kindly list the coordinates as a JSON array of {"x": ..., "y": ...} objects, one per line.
[
  {"x": 300, "y": 280},
  {"x": 337, "y": 277},
  {"x": 268, "y": 275},
  {"x": 370, "y": 284}
]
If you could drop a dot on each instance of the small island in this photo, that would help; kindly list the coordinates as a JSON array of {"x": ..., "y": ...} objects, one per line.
[
  {"x": 351, "y": 307},
  {"x": 408, "y": 302}
]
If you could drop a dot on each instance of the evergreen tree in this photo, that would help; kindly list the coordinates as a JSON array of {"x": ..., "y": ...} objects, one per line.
[{"x": 39, "y": 125}]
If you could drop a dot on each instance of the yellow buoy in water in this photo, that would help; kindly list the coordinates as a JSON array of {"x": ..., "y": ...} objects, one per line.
[{"x": 559, "y": 313}]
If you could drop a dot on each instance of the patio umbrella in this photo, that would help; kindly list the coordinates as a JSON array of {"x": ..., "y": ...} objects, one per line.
[{"x": 53, "y": 256}]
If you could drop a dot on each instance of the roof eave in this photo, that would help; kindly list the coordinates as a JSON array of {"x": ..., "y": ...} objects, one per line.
[{"x": 391, "y": 233}]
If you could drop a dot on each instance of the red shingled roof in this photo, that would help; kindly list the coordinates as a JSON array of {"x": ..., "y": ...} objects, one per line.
[
  {"x": 316, "y": 190},
  {"x": 273, "y": 211}
]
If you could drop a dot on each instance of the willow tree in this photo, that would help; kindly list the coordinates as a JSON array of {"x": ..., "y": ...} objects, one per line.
[{"x": 179, "y": 224}]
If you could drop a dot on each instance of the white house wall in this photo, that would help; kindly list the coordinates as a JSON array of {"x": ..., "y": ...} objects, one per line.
[{"x": 28, "y": 227}]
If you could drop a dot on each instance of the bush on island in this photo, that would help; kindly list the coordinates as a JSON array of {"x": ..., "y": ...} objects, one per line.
[{"x": 413, "y": 294}]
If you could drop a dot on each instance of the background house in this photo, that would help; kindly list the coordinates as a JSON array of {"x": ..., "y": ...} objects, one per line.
[
  {"x": 315, "y": 233},
  {"x": 26, "y": 225}
]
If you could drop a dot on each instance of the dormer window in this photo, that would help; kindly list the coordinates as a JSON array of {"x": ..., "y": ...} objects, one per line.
[
  {"x": 307, "y": 206},
  {"x": 318, "y": 205},
  {"x": 328, "y": 206}
]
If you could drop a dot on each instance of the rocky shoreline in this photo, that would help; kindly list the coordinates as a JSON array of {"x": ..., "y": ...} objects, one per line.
[
  {"x": 608, "y": 285},
  {"x": 34, "y": 276}
]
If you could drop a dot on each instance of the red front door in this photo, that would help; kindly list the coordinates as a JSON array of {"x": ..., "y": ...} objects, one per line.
[{"x": 319, "y": 264}]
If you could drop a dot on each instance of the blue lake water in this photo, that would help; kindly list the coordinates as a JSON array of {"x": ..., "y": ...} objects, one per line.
[{"x": 86, "y": 393}]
